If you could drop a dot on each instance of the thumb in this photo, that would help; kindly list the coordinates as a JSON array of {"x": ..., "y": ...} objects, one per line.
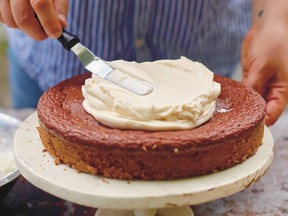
[{"x": 61, "y": 7}]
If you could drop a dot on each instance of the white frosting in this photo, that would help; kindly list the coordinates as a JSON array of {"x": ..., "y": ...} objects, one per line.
[
  {"x": 183, "y": 97},
  {"x": 7, "y": 163}
]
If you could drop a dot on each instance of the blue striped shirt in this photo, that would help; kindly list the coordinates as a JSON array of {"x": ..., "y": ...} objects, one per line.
[{"x": 209, "y": 31}]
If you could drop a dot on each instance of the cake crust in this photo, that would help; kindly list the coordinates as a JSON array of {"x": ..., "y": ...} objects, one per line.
[{"x": 75, "y": 138}]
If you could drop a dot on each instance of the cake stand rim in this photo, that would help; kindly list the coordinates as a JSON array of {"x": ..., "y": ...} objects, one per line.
[{"x": 168, "y": 194}]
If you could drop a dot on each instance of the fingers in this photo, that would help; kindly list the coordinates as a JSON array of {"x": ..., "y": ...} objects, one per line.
[
  {"x": 24, "y": 17},
  {"x": 251, "y": 67},
  {"x": 48, "y": 17},
  {"x": 245, "y": 48},
  {"x": 6, "y": 14},
  {"x": 21, "y": 14},
  {"x": 61, "y": 7},
  {"x": 276, "y": 102},
  {"x": 271, "y": 82},
  {"x": 257, "y": 75},
  {"x": 1, "y": 19}
]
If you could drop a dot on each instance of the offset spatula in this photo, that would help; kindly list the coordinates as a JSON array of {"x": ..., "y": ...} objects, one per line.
[{"x": 97, "y": 66}]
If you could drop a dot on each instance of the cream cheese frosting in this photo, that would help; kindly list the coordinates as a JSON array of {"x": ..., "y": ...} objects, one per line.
[
  {"x": 7, "y": 163},
  {"x": 183, "y": 97}
]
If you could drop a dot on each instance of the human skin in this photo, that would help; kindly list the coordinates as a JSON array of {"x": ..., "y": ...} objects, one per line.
[
  {"x": 265, "y": 55},
  {"x": 21, "y": 14},
  {"x": 264, "y": 51}
]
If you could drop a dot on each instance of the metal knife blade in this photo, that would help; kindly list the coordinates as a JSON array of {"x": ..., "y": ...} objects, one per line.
[
  {"x": 90, "y": 61},
  {"x": 97, "y": 66}
]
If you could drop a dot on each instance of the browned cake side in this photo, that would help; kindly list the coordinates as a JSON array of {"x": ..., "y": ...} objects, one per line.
[{"x": 75, "y": 138}]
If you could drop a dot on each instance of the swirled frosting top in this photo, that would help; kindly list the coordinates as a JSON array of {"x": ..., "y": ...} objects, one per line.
[{"x": 183, "y": 96}]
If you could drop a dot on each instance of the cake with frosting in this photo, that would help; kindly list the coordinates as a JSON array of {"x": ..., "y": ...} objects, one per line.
[{"x": 192, "y": 123}]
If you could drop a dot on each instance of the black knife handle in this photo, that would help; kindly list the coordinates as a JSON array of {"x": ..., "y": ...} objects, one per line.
[{"x": 68, "y": 40}]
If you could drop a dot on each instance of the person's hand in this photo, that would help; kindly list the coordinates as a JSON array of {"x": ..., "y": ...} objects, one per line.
[
  {"x": 265, "y": 64},
  {"x": 22, "y": 14}
]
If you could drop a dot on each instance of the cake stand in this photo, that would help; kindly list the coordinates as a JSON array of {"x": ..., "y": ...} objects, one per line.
[{"x": 129, "y": 198}]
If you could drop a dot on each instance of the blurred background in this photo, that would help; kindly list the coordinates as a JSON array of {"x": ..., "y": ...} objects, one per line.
[{"x": 4, "y": 84}]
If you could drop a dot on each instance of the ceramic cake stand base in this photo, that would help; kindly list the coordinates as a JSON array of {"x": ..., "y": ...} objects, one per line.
[
  {"x": 129, "y": 198},
  {"x": 176, "y": 211}
]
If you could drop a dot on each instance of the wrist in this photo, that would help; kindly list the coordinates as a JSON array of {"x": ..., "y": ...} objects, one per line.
[
  {"x": 275, "y": 11},
  {"x": 269, "y": 13},
  {"x": 257, "y": 9}
]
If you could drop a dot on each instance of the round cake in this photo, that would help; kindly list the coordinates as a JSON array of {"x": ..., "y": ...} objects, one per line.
[{"x": 74, "y": 137}]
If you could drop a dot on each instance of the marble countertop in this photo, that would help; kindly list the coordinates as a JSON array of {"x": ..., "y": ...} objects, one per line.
[{"x": 268, "y": 196}]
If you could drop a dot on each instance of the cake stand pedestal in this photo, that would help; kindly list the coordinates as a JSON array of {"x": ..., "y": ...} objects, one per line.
[{"x": 132, "y": 198}]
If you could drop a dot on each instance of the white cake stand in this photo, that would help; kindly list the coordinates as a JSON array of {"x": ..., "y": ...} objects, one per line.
[{"x": 128, "y": 198}]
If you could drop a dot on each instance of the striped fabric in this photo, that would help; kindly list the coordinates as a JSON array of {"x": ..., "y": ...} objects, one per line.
[{"x": 209, "y": 31}]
